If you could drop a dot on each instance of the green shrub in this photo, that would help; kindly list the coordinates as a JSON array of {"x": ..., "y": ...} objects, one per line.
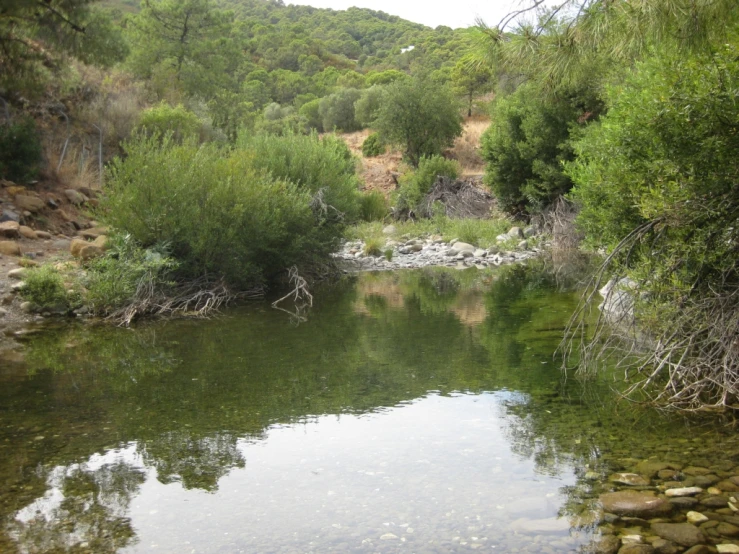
[
  {"x": 20, "y": 151},
  {"x": 366, "y": 108},
  {"x": 312, "y": 163},
  {"x": 163, "y": 119},
  {"x": 113, "y": 280},
  {"x": 373, "y": 246},
  {"x": 414, "y": 185},
  {"x": 44, "y": 287},
  {"x": 310, "y": 112},
  {"x": 372, "y": 206},
  {"x": 337, "y": 110},
  {"x": 373, "y": 146},
  {"x": 231, "y": 213}
]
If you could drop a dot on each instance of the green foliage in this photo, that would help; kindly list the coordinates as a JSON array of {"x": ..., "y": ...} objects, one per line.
[
  {"x": 337, "y": 110},
  {"x": 365, "y": 109},
  {"x": 164, "y": 119},
  {"x": 44, "y": 287},
  {"x": 420, "y": 116},
  {"x": 372, "y": 206},
  {"x": 310, "y": 112},
  {"x": 112, "y": 280},
  {"x": 20, "y": 151},
  {"x": 373, "y": 146},
  {"x": 470, "y": 79},
  {"x": 373, "y": 246},
  {"x": 525, "y": 146},
  {"x": 323, "y": 167},
  {"x": 416, "y": 184},
  {"x": 666, "y": 152},
  {"x": 221, "y": 212}
]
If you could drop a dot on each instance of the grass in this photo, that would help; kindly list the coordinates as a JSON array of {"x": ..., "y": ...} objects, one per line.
[{"x": 479, "y": 232}]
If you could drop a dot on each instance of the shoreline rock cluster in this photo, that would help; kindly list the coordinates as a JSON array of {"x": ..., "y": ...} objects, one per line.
[
  {"x": 670, "y": 508},
  {"x": 429, "y": 251}
]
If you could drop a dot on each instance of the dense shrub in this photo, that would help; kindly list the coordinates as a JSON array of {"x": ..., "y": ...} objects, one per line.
[
  {"x": 337, "y": 110},
  {"x": 177, "y": 120},
  {"x": 20, "y": 151},
  {"x": 373, "y": 206},
  {"x": 310, "y": 112},
  {"x": 525, "y": 146},
  {"x": 44, "y": 287},
  {"x": 366, "y": 108},
  {"x": 314, "y": 164},
  {"x": 414, "y": 185},
  {"x": 221, "y": 212},
  {"x": 373, "y": 146},
  {"x": 420, "y": 116}
]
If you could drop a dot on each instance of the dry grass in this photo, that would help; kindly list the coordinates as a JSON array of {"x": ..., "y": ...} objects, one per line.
[{"x": 466, "y": 149}]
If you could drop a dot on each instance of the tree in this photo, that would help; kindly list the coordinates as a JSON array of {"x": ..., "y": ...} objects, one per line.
[
  {"x": 337, "y": 110},
  {"x": 470, "y": 79},
  {"x": 420, "y": 116}
]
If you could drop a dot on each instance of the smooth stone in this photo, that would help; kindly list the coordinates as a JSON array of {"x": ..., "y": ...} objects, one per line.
[
  {"x": 636, "y": 549},
  {"x": 388, "y": 537},
  {"x": 633, "y": 503},
  {"x": 700, "y": 549},
  {"x": 684, "y": 534},
  {"x": 661, "y": 546},
  {"x": 727, "y": 486},
  {"x": 29, "y": 203},
  {"x": 27, "y": 232},
  {"x": 650, "y": 468},
  {"x": 715, "y": 501},
  {"x": 692, "y": 470},
  {"x": 696, "y": 517},
  {"x": 727, "y": 529},
  {"x": 606, "y": 545},
  {"x": 629, "y": 479},
  {"x": 684, "y": 501},
  {"x": 727, "y": 548},
  {"x": 685, "y": 491},
  {"x": 463, "y": 246}
]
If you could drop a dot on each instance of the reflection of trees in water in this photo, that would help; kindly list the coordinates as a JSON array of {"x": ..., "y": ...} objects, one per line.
[
  {"x": 83, "y": 508},
  {"x": 196, "y": 462}
]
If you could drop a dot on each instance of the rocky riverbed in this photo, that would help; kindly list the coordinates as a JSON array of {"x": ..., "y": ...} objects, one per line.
[{"x": 418, "y": 252}]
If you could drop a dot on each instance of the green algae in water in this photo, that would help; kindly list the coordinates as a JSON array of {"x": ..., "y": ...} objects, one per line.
[{"x": 415, "y": 411}]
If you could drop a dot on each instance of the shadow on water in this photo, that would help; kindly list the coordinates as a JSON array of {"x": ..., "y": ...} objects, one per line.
[{"x": 427, "y": 401}]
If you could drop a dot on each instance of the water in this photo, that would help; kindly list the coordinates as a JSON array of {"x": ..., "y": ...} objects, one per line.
[{"x": 411, "y": 412}]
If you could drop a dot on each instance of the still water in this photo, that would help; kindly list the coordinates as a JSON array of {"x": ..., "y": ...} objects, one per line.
[{"x": 408, "y": 412}]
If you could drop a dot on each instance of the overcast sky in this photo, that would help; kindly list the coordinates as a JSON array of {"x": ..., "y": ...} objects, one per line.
[{"x": 452, "y": 13}]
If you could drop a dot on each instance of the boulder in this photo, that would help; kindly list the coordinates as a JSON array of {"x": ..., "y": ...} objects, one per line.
[
  {"x": 633, "y": 503},
  {"x": 90, "y": 252},
  {"x": 28, "y": 233},
  {"x": 685, "y": 534},
  {"x": 76, "y": 246},
  {"x": 10, "y": 229},
  {"x": 9, "y": 248},
  {"x": 464, "y": 247},
  {"x": 32, "y": 204},
  {"x": 515, "y": 233},
  {"x": 75, "y": 197}
]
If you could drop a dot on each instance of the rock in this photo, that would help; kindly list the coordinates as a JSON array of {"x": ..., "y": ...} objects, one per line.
[
  {"x": 606, "y": 545},
  {"x": 479, "y": 253},
  {"x": 727, "y": 486},
  {"x": 714, "y": 490},
  {"x": 90, "y": 252},
  {"x": 633, "y": 503},
  {"x": 661, "y": 546},
  {"x": 684, "y": 534},
  {"x": 631, "y": 479},
  {"x": 727, "y": 548},
  {"x": 515, "y": 233},
  {"x": 32, "y": 204},
  {"x": 27, "y": 307},
  {"x": 3, "y": 312},
  {"x": 636, "y": 549},
  {"x": 76, "y": 246},
  {"x": 9, "y": 248},
  {"x": 413, "y": 248},
  {"x": 75, "y": 197},
  {"x": 451, "y": 252},
  {"x": 9, "y": 215},
  {"x": 684, "y": 491},
  {"x": 529, "y": 232},
  {"x": 493, "y": 250},
  {"x": 464, "y": 247},
  {"x": 696, "y": 517},
  {"x": 389, "y": 230},
  {"x": 10, "y": 229},
  {"x": 90, "y": 193},
  {"x": 18, "y": 273},
  {"x": 541, "y": 526},
  {"x": 692, "y": 470},
  {"x": 700, "y": 549},
  {"x": 388, "y": 537},
  {"x": 523, "y": 245},
  {"x": 53, "y": 204},
  {"x": 684, "y": 501},
  {"x": 715, "y": 501},
  {"x": 15, "y": 287},
  {"x": 43, "y": 235},
  {"x": 727, "y": 529},
  {"x": 466, "y": 254},
  {"x": 28, "y": 233},
  {"x": 705, "y": 480}
]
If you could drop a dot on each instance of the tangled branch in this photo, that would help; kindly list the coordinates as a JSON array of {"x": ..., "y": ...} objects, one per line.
[{"x": 301, "y": 297}]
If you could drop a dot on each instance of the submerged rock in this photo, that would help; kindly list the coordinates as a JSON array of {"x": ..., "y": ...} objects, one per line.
[
  {"x": 684, "y": 534},
  {"x": 684, "y": 491},
  {"x": 633, "y": 503},
  {"x": 629, "y": 479}
]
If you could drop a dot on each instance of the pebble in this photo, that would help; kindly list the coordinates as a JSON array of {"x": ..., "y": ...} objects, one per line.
[
  {"x": 685, "y": 491},
  {"x": 388, "y": 537},
  {"x": 727, "y": 548},
  {"x": 696, "y": 517}
]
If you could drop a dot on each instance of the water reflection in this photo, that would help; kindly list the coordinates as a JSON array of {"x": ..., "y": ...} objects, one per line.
[{"x": 417, "y": 411}]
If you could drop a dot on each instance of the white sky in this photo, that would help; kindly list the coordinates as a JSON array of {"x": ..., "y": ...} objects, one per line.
[{"x": 452, "y": 13}]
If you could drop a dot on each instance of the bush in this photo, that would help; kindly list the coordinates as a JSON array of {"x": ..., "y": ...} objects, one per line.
[
  {"x": 373, "y": 146},
  {"x": 337, "y": 110},
  {"x": 311, "y": 113},
  {"x": 373, "y": 206},
  {"x": 373, "y": 246},
  {"x": 20, "y": 151},
  {"x": 316, "y": 165},
  {"x": 113, "y": 280},
  {"x": 222, "y": 212},
  {"x": 44, "y": 287},
  {"x": 414, "y": 185},
  {"x": 163, "y": 119},
  {"x": 525, "y": 148},
  {"x": 420, "y": 116},
  {"x": 366, "y": 108}
]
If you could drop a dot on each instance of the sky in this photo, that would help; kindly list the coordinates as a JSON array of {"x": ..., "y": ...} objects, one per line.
[{"x": 452, "y": 13}]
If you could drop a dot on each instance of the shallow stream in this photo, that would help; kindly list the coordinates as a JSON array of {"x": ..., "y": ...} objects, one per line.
[{"x": 408, "y": 412}]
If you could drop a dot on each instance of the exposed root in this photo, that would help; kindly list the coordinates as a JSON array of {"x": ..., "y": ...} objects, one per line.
[
  {"x": 198, "y": 298},
  {"x": 301, "y": 297}
]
